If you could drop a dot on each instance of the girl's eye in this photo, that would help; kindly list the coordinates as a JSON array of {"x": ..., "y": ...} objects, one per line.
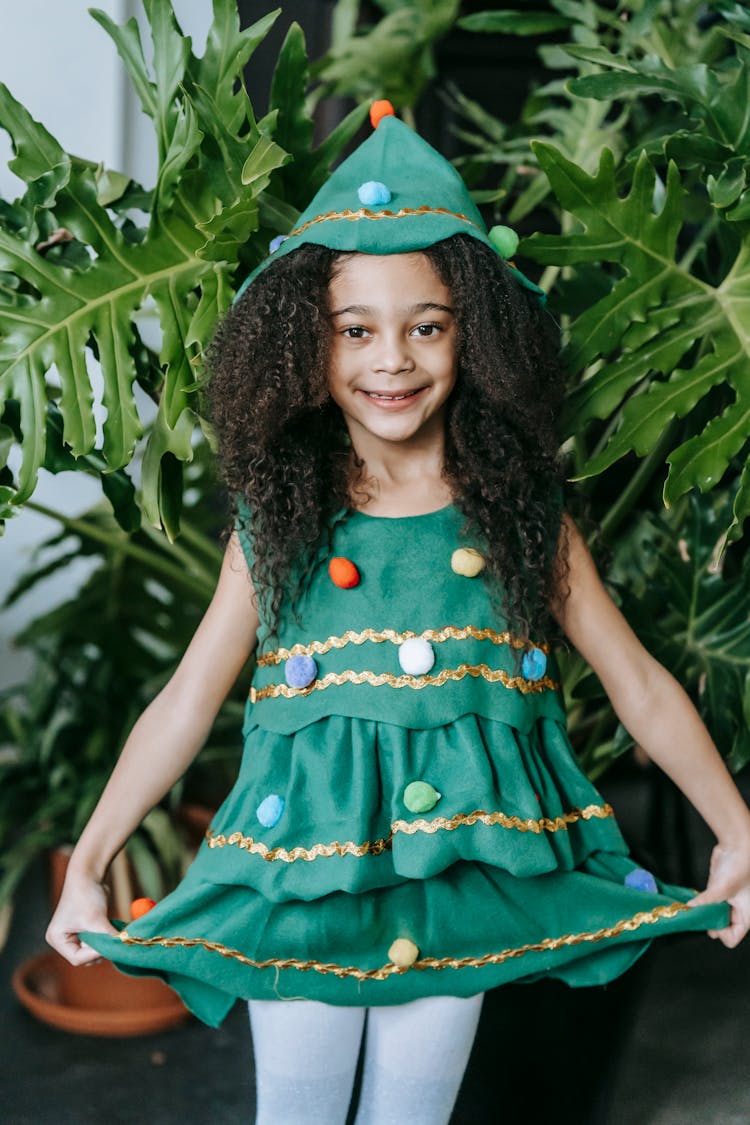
[
  {"x": 354, "y": 332},
  {"x": 427, "y": 330}
]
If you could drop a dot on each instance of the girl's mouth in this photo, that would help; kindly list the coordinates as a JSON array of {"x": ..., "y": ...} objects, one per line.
[{"x": 392, "y": 400}]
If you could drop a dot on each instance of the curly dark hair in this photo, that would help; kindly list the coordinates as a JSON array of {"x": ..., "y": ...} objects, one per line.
[{"x": 286, "y": 452}]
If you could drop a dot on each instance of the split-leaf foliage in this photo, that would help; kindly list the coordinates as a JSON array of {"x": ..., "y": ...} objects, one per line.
[{"x": 84, "y": 252}]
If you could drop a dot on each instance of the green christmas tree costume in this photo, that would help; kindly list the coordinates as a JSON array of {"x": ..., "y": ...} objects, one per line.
[
  {"x": 517, "y": 869},
  {"x": 409, "y": 818}
]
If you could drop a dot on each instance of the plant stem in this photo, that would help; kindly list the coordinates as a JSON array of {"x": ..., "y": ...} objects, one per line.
[
  {"x": 640, "y": 478},
  {"x": 201, "y": 542},
  {"x": 151, "y": 558}
]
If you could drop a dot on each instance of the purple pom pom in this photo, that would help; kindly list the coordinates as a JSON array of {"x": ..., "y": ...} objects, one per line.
[
  {"x": 641, "y": 880},
  {"x": 534, "y": 664},
  {"x": 373, "y": 192},
  {"x": 274, "y": 244},
  {"x": 299, "y": 671}
]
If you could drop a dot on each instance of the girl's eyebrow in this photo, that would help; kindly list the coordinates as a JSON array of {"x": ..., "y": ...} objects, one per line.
[{"x": 413, "y": 310}]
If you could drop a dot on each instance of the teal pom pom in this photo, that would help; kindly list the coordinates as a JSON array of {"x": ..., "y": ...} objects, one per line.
[
  {"x": 504, "y": 240},
  {"x": 269, "y": 810},
  {"x": 534, "y": 664},
  {"x": 373, "y": 193}
]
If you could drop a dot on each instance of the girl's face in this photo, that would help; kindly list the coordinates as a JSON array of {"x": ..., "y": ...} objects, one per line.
[{"x": 393, "y": 353}]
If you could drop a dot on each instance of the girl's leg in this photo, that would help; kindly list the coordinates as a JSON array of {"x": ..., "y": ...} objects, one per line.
[
  {"x": 415, "y": 1057},
  {"x": 305, "y": 1059}
]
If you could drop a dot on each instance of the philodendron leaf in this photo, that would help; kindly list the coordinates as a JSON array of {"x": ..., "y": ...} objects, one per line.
[
  {"x": 693, "y": 617},
  {"x": 294, "y": 126},
  {"x": 640, "y": 336},
  {"x": 718, "y": 99},
  {"x": 515, "y": 23},
  {"x": 228, "y": 50},
  {"x": 741, "y": 505},
  {"x": 57, "y": 301}
]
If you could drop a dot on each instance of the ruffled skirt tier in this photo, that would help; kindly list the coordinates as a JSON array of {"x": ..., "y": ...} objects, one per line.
[{"x": 518, "y": 871}]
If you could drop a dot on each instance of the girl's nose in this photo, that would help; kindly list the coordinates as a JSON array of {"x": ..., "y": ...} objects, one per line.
[{"x": 392, "y": 356}]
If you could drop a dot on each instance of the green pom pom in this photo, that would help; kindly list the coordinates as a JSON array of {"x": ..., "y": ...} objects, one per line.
[
  {"x": 504, "y": 240},
  {"x": 420, "y": 796}
]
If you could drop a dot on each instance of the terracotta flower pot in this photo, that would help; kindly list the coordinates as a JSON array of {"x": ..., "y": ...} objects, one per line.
[{"x": 94, "y": 999}]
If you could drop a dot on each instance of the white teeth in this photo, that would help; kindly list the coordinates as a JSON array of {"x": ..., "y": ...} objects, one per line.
[{"x": 390, "y": 398}]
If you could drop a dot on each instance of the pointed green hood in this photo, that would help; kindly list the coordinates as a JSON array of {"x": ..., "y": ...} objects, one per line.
[{"x": 394, "y": 194}]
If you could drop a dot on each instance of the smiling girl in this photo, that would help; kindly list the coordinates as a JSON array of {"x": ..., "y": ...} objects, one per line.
[{"x": 409, "y": 826}]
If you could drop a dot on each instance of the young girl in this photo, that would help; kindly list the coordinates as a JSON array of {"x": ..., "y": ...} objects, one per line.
[{"x": 409, "y": 826}]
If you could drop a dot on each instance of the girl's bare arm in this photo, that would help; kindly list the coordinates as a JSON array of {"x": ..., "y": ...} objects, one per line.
[
  {"x": 660, "y": 716},
  {"x": 162, "y": 744}
]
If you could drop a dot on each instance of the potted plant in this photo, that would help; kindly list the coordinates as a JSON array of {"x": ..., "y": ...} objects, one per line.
[{"x": 98, "y": 658}]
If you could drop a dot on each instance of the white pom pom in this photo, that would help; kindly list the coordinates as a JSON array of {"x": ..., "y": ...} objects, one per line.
[{"x": 416, "y": 656}]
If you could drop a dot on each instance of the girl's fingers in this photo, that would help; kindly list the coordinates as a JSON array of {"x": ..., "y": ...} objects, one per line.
[
  {"x": 70, "y": 946},
  {"x": 732, "y": 935}
]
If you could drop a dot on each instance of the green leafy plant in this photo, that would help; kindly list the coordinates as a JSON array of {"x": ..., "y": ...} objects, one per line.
[
  {"x": 394, "y": 59},
  {"x": 98, "y": 659},
  {"x": 654, "y": 234},
  {"x": 687, "y": 601},
  {"x": 632, "y": 160},
  {"x": 85, "y": 250}
]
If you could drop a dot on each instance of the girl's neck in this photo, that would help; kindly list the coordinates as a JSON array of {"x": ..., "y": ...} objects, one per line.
[{"x": 399, "y": 487}]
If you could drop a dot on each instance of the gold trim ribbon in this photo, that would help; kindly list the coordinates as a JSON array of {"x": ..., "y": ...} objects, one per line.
[
  {"x": 410, "y": 828},
  {"x": 366, "y": 213},
  {"x": 626, "y": 925},
  {"x": 379, "y": 679},
  {"x": 378, "y": 636}
]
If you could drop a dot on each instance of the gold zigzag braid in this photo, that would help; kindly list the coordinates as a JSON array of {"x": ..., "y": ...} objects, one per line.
[
  {"x": 379, "y": 679},
  {"x": 366, "y": 213},
  {"x": 378, "y": 636},
  {"x": 544, "y": 824},
  {"x": 627, "y": 925},
  {"x": 409, "y": 828},
  {"x": 257, "y": 847}
]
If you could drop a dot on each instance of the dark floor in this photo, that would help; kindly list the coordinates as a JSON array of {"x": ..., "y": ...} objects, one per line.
[{"x": 668, "y": 1044}]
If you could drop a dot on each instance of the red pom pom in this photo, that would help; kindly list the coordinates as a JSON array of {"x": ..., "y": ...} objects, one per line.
[
  {"x": 343, "y": 573},
  {"x": 141, "y": 906},
  {"x": 379, "y": 110}
]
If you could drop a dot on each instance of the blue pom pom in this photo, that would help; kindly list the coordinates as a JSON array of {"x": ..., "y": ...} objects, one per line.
[
  {"x": 534, "y": 664},
  {"x": 269, "y": 810},
  {"x": 641, "y": 880},
  {"x": 274, "y": 244},
  {"x": 372, "y": 193},
  {"x": 299, "y": 671}
]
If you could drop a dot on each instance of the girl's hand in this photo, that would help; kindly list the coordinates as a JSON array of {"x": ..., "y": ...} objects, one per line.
[
  {"x": 82, "y": 906},
  {"x": 729, "y": 881}
]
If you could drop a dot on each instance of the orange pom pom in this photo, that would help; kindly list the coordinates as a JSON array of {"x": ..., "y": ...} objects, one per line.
[
  {"x": 141, "y": 906},
  {"x": 379, "y": 110},
  {"x": 343, "y": 573}
]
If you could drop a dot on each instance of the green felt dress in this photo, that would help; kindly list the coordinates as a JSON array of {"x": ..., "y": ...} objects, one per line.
[{"x": 315, "y": 864}]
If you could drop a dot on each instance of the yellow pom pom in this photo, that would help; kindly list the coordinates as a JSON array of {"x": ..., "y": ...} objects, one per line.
[
  {"x": 467, "y": 561},
  {"x": 403, "y": 953}
]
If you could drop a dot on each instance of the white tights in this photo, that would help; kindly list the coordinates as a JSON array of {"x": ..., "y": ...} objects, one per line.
[{"x": 415, "y": 1056}]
